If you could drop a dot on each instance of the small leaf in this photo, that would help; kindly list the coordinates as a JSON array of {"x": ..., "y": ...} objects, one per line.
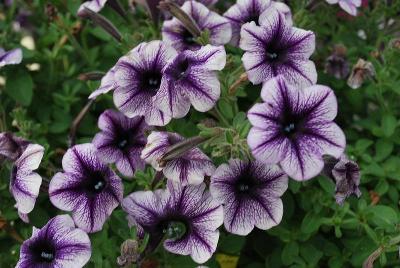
[
  {"x": 290, "y": 252},
  {"x": 388, "y": 125},
  {"x": 19, "y": 86},
  {"x": 310, "y": 224}
]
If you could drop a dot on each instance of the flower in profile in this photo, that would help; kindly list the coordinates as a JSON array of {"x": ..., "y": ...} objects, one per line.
[
  {"x": 138, "y": 77},
  {"x": 175, "y": 33},
  {"x": 87, "y": 187},
  {"x": 250, "y": 193},
  {"x": 11, "y": 146},
  {"x": 276, "y": 48},
  {"x": 187, "y": 216},
  {"x": 25, "y": 183},
  {"x": 245, "y": 11},
  {"x": 191, "y": 78},
  {"x": 350, "y": 6},
  {"x": 13, "y": 56},
  {"x": 337, "y": 64},
  {"x": 57, "y": 244},
  {"x": 346, "y": 174},
  {"x": 93, "y": 5},
  {"x": 107, "y": 84},
  {"x": 295, "y": 128},
  {"x": 360, "y": 72},
  {"x": 189, "y": 168},
  {"x": 121, "y": 141}
]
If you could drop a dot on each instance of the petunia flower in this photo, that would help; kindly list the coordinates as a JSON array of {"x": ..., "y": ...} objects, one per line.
[
  {"x": 13, "y": 56},
  {"x": 11, "y": 146},
  {"x": 107, "y": 84},
  {"x": 181, "y": 39},
  {"x": 295, "y": 128},
  {"x": 191, "y": 78},
  {"x": 350, "y": 6},
  {"x": 245, "y": 11},
  {"x": 138, "y": 77},
  {"x": 190, "y": 168},
  {"x": 276, "y": 48},
  {"x": 186, "y": 215},
  {"x": 25, "y": 183},
  {"x": 57, "y": 244},
  {"x": 87, "y": 187},
  {"x": 121, "y": 141},
  {"x": 93, "y": 5},
  {"x": 346, "y": 174},
  {"x": 250, "y": 193}
]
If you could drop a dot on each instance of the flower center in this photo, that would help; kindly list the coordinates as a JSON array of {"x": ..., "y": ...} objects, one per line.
[
  {"x": 175, "y": 230},
  {"x": 243, "y": 187},
  {"x": 274, "y": 55},
  {"x": 151, "y": 81},
  {"x": 188, "y": 38},
  {"x": 290, "y": 128},
  {"x": 180, "y": 68},
  {"x": 122, "y": 144},
  {"x": 95, "y": 183},
  {"x": 43, "y": 251}
]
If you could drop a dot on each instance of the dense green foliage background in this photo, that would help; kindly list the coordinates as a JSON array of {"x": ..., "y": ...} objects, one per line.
[{"x": 315, "y": 232}]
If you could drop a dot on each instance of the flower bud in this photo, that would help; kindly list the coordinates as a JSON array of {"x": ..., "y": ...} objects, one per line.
[{"x": 362, "y": 71}]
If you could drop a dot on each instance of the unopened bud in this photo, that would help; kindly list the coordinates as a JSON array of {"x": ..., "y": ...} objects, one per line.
[
  {"x": 180, "y": 148},
  {"x": 184, "y": 18},
  {"x": 91, "y": 76},
  {"x": 102, "y": 22}
]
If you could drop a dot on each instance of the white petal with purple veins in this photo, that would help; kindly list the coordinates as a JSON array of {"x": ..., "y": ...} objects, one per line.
[{"x": 13, "y": 56}]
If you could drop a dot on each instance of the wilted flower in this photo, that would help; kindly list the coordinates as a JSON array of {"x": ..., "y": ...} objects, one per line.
[
  {"x": 129, "y": 253},
  {"x": 346, "y": 175},
  {"x": 57, "y": 244},
  {"x": 175, "y": 33},
  {"x": 11, "y": 146},
  {"x": 186, "y": 215},
  {"x": 250, "y": 192},
  {"x": 138, "y": 77},
  {"x": 107, "y": 84},
  {"x": 13, "y": 56},
  {"x": 337, "y": 64},
  {"x": 189, "y": 168},
  {"x": 87, "y": 187},
  {"x": 121, "y": 141},
  {"x": 191, "y": 78},
  {"x": 250, "y": 10},
  {"x": 276, "y": 48},
  {"x": 350, "y": 6},
  {"x": 362, "y": 71},
  {"x": 295, "y": 128},
  {"x": 25, "y": 184},
  {"x": 93, "y": 5}
]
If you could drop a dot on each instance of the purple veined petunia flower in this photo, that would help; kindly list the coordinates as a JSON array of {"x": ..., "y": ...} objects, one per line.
[
  {"x": 181, "y": 39},
  {"x": 121, "y": 141},
  {"x": 276, "y": 48},
  {"x": 24, "y": 183},
  {"x": 186, "y": 215},
  {"x": 93, "y": 5},
  {"x": 190, "y": 168},
  {"x": 87, "y": 187},
  {"x": 192, "y": 78},
  {"x": 295, "y": 128},
  {"x": 204, "y": 2},
  {"x": 250, "y": 193},
  {"x": 57, "y": 244},
  {"x": 138, "y": 77},
  {"x": 13, "y": 56},
  {"x": 245, "y": 11},
  {"x": 350, "y": 6},
  {"x": 107, "y": 84},
  {"x": 11, "y": 146},
  {"x": 346, "y": 174}
]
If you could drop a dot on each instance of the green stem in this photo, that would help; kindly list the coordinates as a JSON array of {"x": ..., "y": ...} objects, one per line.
[{"x": 221, "y": 118}]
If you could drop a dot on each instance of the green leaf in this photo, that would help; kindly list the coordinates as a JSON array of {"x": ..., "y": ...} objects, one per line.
[
  {"x": 290, "y": 252},
  {"x": 310, "y": 224},
  {"x": 311, "y": 254},
  {"x": 19, "y": 86},
  {"x": 383, "y": 216},
  {"x": 383, "y": 149},
  {"x": 388, "y": 125}
]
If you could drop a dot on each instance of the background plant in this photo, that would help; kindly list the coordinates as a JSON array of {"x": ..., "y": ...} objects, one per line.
[{"x": 40, "y": 105}]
